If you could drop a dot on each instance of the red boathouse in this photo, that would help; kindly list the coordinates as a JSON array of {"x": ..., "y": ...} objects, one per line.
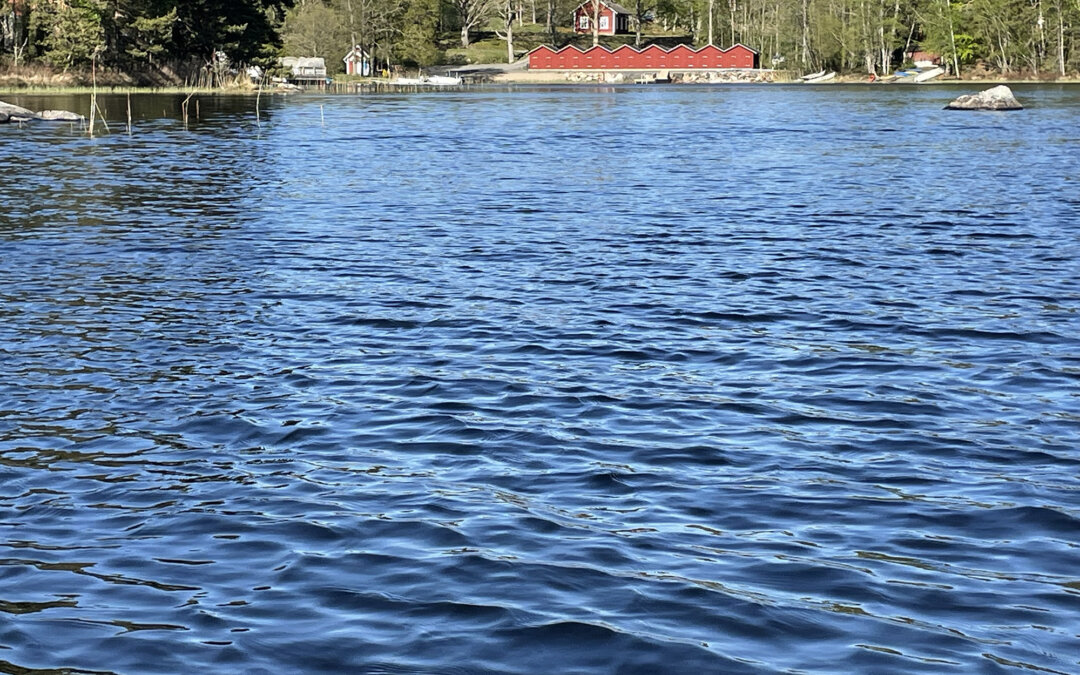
[{"x": 653, "y": 57}]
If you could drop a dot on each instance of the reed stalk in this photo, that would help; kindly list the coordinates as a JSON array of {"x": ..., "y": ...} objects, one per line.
[
  {"x": 101, "y": 115},
  {"x": 184, "y": 107},
  {"x": 93, "y": 93}
]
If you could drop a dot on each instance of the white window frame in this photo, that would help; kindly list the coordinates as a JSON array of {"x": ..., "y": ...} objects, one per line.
[{"x": 605, "y": 24}]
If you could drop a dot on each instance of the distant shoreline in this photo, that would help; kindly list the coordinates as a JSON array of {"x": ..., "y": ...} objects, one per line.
[{"x": 536, "y": 77}]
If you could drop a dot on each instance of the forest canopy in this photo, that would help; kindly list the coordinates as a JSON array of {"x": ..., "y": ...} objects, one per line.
[{"x": 1034, "y": 37}]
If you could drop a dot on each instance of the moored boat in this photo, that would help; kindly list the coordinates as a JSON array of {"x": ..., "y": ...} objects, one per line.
[
  {"x": 443, "y": 81},
  {"x": 927, "y": 75},
  {"x": 430, "y": 81}
]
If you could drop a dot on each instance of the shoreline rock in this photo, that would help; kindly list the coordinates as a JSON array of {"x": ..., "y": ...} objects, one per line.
[
  {"x": 995, "y": 98},
  {"x": 59, "y": 116},
  {"x": 17, "y": 113},
  {"x": 14, "y": 113}
]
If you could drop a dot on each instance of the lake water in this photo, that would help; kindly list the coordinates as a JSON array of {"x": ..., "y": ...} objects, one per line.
[{"x": 658, "y": 379}]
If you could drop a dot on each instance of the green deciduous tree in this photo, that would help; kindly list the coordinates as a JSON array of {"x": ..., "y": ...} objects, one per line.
[{"x": 313, "y": 28}]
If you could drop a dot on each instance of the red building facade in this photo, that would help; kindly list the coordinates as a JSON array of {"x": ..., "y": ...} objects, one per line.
[
  {"x": 613, "y": 18},
  {"x": 653, "y": 57}
]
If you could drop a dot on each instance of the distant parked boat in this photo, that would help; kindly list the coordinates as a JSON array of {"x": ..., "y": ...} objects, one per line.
[
  {"x": 820, "y": 77},
  {"x": 431, "y": 81},
  {"x": 443, "y": 81},
  {"x": 812, "y": 76}
]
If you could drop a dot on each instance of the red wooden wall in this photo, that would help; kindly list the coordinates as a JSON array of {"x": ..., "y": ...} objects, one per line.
[
  {"x": 681, "y": 57},
  {"x": 586, "y": 11}
]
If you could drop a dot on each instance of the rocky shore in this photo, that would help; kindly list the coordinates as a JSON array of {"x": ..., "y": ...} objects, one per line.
[{"x": 632, "y": 77}]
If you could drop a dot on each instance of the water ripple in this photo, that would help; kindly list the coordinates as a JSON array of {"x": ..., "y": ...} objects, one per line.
[{"x": 578, "y": 380}]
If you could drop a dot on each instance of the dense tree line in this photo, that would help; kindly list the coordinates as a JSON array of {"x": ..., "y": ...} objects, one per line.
[
  {"x": 135, "y": 33},
  {"x": 1035, "y": 37}
]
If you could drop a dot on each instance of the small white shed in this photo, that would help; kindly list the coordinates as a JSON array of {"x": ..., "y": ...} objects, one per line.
[{"x": 357, "y": 62}]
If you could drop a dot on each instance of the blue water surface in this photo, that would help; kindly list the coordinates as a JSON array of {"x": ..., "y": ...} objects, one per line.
[{"x": 568, "y": 380}]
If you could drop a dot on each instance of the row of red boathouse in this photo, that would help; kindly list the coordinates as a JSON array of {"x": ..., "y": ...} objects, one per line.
[{"x": 652, "y": 57}]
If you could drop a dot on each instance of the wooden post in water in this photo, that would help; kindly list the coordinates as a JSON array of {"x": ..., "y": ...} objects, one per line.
[
  {"x": 129, "y": 112},
  {"x": 322, "y": 116}
]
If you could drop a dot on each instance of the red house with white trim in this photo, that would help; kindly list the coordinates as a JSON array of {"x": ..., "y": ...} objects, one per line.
[{"x": 614, "y": 18}]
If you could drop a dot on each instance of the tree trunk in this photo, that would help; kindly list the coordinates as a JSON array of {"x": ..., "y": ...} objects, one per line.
[
  {"x": 711, "y": 21},
  {"x": 638, "y": 16},
  {"x": 510, "y": 16},
  {"x": 731, "y": 6},
  {"x": 464, "y": 36},
  {"x": 596, "y": 22},
  {"x": 805, "y": 55},
  {"x": 1061, "y": 41},
  {"x": 952, "y": 40},
  {"x": 552, "y": 30}
]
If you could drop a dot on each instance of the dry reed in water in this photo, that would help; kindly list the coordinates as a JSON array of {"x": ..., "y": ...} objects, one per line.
[
  {"x": 184, "y": 107},
  {"x": 93, "y": 93}
]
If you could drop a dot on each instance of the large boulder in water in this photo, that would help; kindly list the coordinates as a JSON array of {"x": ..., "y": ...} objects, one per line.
[
  {"x": 60, "y": 116},
  {"x": 996, "y": 98},
  {"x": 17, "y": 113}
]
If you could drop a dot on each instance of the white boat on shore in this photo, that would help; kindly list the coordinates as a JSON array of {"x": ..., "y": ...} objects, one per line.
[
  {"x": 812, "y": 76},
  {"x": 820, "y": 77},
  {"x": 443, "y": 81},
  {"x": 430, "y": 81},
  {"x": 927, "y": 75}
]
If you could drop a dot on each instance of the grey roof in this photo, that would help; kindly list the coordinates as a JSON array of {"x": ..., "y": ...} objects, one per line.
[
  {"x": 356, "y": 53},
  {"x": 619, "y": 9}
]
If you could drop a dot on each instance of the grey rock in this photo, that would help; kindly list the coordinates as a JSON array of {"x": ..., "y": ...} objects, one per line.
[
  {"x": 995, "y": 98},
  {"x": 16, "y": 113},
  {"x": 60, "y": 116},
  {"x": 3, "y": 118}
]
